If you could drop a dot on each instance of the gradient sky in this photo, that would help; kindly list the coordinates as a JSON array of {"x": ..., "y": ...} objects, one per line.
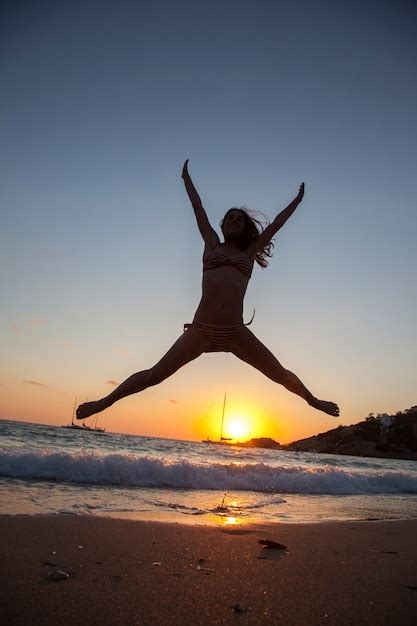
[{"x": 100, "y": 256}]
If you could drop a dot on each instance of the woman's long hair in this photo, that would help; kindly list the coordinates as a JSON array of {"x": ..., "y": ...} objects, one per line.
[{"x": 253, "y": 228}]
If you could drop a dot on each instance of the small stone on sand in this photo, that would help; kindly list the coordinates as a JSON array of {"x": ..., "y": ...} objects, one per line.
[{"x": 272, "y": 545}]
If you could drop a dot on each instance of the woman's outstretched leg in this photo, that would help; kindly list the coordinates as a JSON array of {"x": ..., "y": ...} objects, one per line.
[
  {"x": 187, "y": 348},
  {"x": 248, "y": 348}
]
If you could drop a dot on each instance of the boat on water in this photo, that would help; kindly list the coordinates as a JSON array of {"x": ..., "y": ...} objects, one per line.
[
  {"x": 223, "y": 441},
  {"x": 74, "y": 426},
  {"x": 93, "y": 428}
]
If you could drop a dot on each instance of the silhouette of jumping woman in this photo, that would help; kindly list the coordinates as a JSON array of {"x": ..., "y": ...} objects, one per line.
[{"x": 218, "y": 322}]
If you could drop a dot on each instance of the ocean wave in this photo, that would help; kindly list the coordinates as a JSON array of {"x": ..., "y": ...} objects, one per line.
[{"x": 124, "y": 470}]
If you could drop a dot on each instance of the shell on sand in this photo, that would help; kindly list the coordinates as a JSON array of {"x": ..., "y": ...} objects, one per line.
[{"x": 57, "y": 574}]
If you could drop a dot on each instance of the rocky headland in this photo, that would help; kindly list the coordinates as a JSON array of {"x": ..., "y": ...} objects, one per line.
[
  {"x": 382, "y": 435},
  {"x": 389, "y": 436}
]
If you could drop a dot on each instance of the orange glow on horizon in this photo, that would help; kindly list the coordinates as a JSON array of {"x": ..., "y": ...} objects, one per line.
[
  {"x": 193, "y": 416},
  {"x": 242, "y": 421}
]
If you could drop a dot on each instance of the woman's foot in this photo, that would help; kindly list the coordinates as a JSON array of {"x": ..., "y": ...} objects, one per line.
[
  {"x": 327, "y": 407},
  {"x": 89, "y": 408}
]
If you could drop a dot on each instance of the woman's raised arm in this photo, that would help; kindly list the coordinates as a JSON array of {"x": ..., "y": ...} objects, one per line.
[
  {"x": 266, "y": 236},
  {"x": 207, "y": 231}
]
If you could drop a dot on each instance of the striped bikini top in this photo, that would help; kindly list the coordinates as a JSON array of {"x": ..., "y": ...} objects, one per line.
[{"x": 217, "y": 259}]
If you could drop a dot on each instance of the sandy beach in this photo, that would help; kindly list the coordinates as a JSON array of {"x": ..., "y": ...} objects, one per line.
[{"x": 137, "y": 572}]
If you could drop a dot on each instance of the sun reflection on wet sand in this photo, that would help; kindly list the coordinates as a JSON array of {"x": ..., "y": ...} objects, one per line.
[
  {"x": 229, "y": 513},
  {"x": 228, "y": 520}
]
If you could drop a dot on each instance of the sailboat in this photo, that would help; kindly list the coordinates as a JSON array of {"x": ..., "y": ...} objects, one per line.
[
  {"x": 73, "y": 425},
  {"x": 96, "y": 428},
  {"x": 222, "y": 440},
  {"x": 84, "y": 426}
]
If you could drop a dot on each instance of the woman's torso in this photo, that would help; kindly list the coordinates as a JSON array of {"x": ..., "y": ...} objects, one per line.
[{"x": 226, "y": 274}]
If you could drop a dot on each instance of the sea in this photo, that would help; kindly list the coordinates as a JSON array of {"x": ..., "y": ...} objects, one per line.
[{"x": 55, "y": 470}]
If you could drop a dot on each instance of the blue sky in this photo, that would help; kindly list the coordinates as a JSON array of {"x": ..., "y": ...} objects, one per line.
[{"x": 100, "y": 255}]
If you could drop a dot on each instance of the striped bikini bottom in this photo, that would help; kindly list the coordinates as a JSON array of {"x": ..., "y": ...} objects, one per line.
[{"x": 219, "y": 336}]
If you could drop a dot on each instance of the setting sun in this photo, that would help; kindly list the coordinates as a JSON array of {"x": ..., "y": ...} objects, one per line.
[
  {"x": 238, "y": 428},
  {"x": 243, "y": 420}
]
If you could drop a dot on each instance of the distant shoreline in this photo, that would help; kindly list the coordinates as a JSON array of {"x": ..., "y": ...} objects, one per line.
[
  {"x": 365, "y": 439},
  {"x": 292, "y": 447},
  {"x": 382, "y": 436}
]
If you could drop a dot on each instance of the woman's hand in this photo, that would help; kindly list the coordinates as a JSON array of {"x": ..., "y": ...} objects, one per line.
[
  {"x": 300, "y": 193},
  {"x": 185, "y": 169}
]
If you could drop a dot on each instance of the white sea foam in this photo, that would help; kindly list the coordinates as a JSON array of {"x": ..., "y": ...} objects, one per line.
[{"x": 125, "y": 470}]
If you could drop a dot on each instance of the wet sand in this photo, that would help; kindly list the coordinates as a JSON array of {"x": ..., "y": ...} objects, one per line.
[{"x": 136, "y": 572}]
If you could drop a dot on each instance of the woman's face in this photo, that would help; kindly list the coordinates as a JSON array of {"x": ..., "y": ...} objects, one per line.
[{"x": 233, "y": 224}]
